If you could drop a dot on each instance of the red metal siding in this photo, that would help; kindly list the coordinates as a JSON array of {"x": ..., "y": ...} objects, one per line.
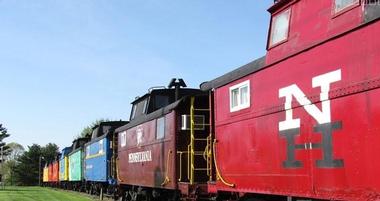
[
  {"x": 50, "y": 172},
  {"x": 312, "y": 22},
  {"x": 55, "y": 172},
  {"x": 149, "y": 173},
  {"x": 251, "y": 152}
]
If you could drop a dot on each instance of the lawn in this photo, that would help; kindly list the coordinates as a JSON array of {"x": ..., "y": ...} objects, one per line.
[{"x": 39, "y": 194}]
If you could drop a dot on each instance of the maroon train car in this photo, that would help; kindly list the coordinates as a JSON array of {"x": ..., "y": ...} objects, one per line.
[
  {"x": 157, "y": 153},
  {"x": 304, "y": 121}
]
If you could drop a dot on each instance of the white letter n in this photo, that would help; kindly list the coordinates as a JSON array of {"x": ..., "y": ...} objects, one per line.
[{"x": 321, "y": 116}]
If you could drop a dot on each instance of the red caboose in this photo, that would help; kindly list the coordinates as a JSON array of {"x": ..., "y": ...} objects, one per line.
[{"x": 304, "y": 121}]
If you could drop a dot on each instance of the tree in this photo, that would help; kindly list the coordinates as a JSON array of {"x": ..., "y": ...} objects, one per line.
[
  {"x": 50, "y": 152},
  {"x": 26, "y": 170},
  {"x": 3, "y": 134},
  {"x": 27, "y": 166},
  {"x": 87, "y": 131},
  {"x": 15, "y": 151}
]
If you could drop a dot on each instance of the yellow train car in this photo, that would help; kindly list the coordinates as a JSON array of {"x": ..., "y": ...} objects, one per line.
[
  {"x": 45, "y": 177},
  {"x": 64, "y": 165}
]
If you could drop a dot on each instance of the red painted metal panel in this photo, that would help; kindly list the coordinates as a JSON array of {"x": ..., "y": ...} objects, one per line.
[
  {"x": 251, "y": 151},
  {"x": 50, "y": 172},
  {"x": 146, "y": 161},
  {"x": 312, "y": 22},
  {"x": 55, "y": 172}
]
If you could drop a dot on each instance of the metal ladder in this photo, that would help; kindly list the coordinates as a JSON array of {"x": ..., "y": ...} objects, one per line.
[{"x": 192, "y": 152}]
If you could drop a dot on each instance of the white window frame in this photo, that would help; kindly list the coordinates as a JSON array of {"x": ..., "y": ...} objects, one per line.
[
  {"x": 354, "y": 3},
  {"x": 123, "y": 140},
  {"x": 239, "y": 105},
  {"x": 185, "y": 123},
  {"x": 273, "y": 25},
  {"x": 159, "y": 137}
]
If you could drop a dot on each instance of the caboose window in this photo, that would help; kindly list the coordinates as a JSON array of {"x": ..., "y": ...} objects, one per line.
[
  {"x": 139, "y": 108},
  {"x": 123, "y": 136},
  {"x": 239, "y": 96},
  {"x": 343, "y": 4},
  {"x": 280, "y": 27},
  {"x": 160, "y": 128},
  {"x": 101, "y": 146}
]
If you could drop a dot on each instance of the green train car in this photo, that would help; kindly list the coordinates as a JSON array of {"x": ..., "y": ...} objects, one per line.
[{"x": 76, "y": 164}]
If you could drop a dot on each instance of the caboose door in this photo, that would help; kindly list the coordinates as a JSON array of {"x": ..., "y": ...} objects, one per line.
[{"x": 194, "y": 144}]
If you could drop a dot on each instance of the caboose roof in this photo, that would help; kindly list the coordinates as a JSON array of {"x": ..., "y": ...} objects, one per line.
[
  {"x": 236, "y": 74},
  {"x": 110, "y": 123},
  {"x": 162, "y": 91}
]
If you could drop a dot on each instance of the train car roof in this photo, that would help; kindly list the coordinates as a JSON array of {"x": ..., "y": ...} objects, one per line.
[
  {"x": 162, "y": 90},
  {"x": 110, "y": 123},
  {"x": 236, "y": 74},
  {"x": 150, "y": 116}
]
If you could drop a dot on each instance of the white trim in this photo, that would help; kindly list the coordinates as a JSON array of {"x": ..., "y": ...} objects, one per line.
[{"x": 239, "y": 105}]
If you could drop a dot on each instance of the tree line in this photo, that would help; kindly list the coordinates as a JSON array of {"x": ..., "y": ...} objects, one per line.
[{"x": 20, "y": 166}]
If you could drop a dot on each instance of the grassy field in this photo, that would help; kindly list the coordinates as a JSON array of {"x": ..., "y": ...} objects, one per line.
[{"x": 39, "y": 194}]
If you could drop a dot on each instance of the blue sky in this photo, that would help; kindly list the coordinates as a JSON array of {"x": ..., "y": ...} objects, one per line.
[{"x": 66, "y": 63}]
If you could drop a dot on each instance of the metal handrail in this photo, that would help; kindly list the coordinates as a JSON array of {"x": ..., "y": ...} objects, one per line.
[
  {"x": 218, "y": 175},
  {"x": 167, "y": 179}
]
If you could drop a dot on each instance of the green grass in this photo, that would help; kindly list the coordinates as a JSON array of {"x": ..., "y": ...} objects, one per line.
[{"x": 39, "y": 194}]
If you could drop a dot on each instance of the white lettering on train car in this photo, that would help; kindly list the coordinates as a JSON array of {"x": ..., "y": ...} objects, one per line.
[
  {"x": 321, "y": 116},
  {"x": 138, "y": 157}
]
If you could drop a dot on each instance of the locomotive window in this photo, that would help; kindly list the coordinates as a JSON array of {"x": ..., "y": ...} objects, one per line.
[
  {"x": 280, "y": 27},
  {"x": 160, "y": 128},
  {"x": 343, "y": 4},
  {"x": 239, "y": 96}
]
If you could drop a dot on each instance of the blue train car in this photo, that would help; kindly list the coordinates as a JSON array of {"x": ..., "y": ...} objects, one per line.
[
  {"x": 100, "y": 161},
  {"x": 98, "y": 154}
]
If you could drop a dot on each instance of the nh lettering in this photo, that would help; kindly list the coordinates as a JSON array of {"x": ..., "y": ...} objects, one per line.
[{"x": 290, "y": 127}]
